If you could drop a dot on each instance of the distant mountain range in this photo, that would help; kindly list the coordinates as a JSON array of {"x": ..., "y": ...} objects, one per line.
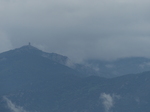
[
  {"x": 35, "y": 81},
  {"x": 119, "y": 67}
]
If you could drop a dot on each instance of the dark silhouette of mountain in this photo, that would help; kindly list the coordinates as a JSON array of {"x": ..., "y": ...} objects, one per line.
[{"x": 35, "y": 81}]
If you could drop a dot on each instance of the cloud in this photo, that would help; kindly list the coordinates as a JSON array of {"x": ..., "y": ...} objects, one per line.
[
  {"x": 108, "y": 101},
  {"x": 12, "y": 106},
  {"x": 80, "y": 29},
  {"x": 5, "y": 43},
  {"x": 70, "y": 64}
]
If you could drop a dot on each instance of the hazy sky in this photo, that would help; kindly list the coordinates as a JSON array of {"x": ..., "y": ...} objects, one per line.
[{"x": 79, "y": 29}]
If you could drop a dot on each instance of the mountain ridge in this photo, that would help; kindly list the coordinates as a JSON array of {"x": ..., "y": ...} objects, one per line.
[
  {"x": 32, "y": 82},
  {"x": 108, "y": 69}
]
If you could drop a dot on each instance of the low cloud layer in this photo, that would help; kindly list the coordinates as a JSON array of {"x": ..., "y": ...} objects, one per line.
[
  {"x": 80, "y": 29},
  {"x": 12, "y": 106},
  {"x": 108, "y": 101}
]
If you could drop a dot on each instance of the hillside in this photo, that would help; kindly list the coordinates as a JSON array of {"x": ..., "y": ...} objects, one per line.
[{"x": 34, "y": 81}]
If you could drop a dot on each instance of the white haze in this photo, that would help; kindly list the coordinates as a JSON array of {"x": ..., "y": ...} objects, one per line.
[
  {"x": 108, "y": 101},
  {"x": 13, "y": 107},
  {"x": 79, "y": 29},
  {"x": 5, "y": 43}
]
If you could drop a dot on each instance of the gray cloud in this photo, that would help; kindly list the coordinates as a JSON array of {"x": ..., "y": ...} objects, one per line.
[
  {"x": 5, "y": 43},
  {"x": 79, "y": 29}
]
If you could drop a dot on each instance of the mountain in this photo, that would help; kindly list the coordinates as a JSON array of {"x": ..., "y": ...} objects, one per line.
[
  {"x": 27, "y": 63},
  {"x": 119, "y": 67},
  {"x": 35, "y": 81}
]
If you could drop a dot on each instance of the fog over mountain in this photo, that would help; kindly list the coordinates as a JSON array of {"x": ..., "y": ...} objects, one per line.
[
  {"x": 92, "y": 29},
  {"x": 35, "y": 81},
  {"x": 83, "y": 56}
]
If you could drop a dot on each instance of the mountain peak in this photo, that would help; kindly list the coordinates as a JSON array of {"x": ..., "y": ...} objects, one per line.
[
  {"x": 28, "y": 48},
  {"x": 24, "y": 50}
]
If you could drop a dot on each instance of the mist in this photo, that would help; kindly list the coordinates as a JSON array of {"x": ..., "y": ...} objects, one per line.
[
  {"x": 13, "y": 107},
  {"x": 79, "y": 29},
  {"x": 108, "y": 101}
]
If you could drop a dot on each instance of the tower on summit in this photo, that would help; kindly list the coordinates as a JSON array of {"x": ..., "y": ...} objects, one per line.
[{"x": 29, "y": 43}]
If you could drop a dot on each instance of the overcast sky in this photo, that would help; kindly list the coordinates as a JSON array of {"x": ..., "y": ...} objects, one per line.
[{"x": 79, "y": 29}]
